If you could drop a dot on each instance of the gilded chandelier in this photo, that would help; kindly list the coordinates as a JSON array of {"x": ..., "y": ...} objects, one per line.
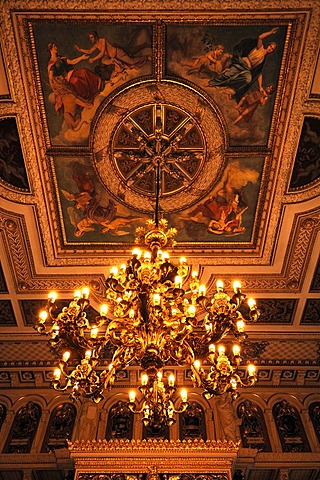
[{"x": 157, "y": 314}]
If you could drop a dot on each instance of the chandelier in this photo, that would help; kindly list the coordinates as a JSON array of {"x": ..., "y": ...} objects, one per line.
[{"x": 157, "y": 314}]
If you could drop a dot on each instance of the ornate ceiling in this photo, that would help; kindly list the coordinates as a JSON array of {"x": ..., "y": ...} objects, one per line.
[{"x": 80, "y": 139}]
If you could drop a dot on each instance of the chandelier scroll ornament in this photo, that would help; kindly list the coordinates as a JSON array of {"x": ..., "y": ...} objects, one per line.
[{"x": 154, "y": 321}]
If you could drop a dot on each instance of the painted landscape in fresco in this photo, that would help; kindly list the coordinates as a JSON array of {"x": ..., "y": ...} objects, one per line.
[
  {"x": 80, "y": 65},
  {"x": 219, "y": 60}
]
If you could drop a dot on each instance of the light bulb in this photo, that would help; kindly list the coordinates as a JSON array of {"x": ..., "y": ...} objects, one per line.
[
  {"x": 221, "y": 349},
  {"x": 66, "y": 356},
  {"x": 191, "y": 311},
  {"x": 184, "y": 395},
  {"x": 178, "y": 281},
  {"x": 144, "y": 379},
  {"x": 104, "y": 310},
  {"x": 252, "y": 303},
  {"x": 136, "y": 252},
  {"x": 94, "y": 331},
  {"x": 236, "y": 286},
  {"x": 156, "y": 299},
  {"x": 171, "y": 380},
  {"x": 202, "y": 290},
  {"x": 85, "y": 292},
  {"x": 219, "y": 285},
  {"x": 212, "y": 348},
  {"x": 114, "y": 271},
  {"x": 132, "y": 396},
  {"x": 77, "y": 295},
  {"x": 165, "y": 256},
  {"x": 57, "y": 374},
  {"x": 251, "y": 370},
  {"x": 52, "y": 296},
  {"x": 236, "y": 350},
  {"x": 240, "y": 326},
  {"x": 183, "y": 260},
  {"x": 43, "y": 315}
]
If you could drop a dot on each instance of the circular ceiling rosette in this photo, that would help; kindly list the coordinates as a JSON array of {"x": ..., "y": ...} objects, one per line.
[{"x": 158, "y": 125}]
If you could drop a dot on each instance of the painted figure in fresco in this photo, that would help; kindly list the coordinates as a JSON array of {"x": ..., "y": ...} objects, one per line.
[
  {"x": 246, "y": 66},
  {"x": 120, "y": 416},
  {"x": 87, "y": 210},
  {"x": 228, "y": 217},
  {"x": 224, "y": 212},
  {"x": 251, "y": 101},
  {"x": 113, "y": 60},
  {"x": 12, "y": 169},
  {"x": 74, "y": 89},
  {"x": 212, "y": 63},
  {"x": 224, "y": 209},
  {"x": 287, "y": 419},
  {"x": 92, "y": 212},
  {"x": 307, "y": 162}
]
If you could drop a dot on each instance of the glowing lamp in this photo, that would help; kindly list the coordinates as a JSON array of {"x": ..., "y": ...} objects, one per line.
[
  {"x": 184, "y": 395},
  {"x": 52, "y": 297},
  {"x": 66, "y": 356}
]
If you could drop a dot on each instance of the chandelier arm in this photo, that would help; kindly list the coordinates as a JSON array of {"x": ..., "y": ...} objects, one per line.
[{"x": 182, "y": 407}]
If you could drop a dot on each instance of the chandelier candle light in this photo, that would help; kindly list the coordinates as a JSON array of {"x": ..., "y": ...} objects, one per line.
[{"x": 152, "y": 320}]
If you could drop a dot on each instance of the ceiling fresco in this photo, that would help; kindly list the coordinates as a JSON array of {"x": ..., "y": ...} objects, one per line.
[{"x": 117, "y": 98}]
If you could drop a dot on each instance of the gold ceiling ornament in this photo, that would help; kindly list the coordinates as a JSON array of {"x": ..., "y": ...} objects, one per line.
[{"x": 157, "y": 314}]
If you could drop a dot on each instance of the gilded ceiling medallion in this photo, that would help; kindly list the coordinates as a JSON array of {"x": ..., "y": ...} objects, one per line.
[
  {"x": 158, "y": 133},
  {"x": 144, "y": 129}
]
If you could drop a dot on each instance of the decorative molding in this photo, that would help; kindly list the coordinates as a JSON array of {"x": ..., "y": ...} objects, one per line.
[
  {"x": 185, "y": 456},
  {"x": 113, "y": 448},
  {"x": 12, "y": 227}
]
